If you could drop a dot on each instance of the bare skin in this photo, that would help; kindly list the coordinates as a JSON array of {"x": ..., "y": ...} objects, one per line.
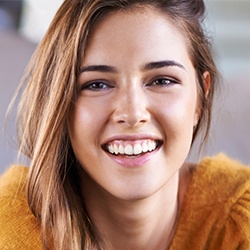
[
  {"x": 125, "y": 99},
  {"x": 138, "y": 224},
  {"x": 133, "y": 225}
]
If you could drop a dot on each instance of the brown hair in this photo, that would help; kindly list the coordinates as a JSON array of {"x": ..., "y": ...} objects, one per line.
[{"x": 53, "y": 188}]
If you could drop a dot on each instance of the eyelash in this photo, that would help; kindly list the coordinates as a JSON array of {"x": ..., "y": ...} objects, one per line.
[
  {"x": 99, "y": 85},
  {"x": 96, "y": 86},
  {"x": 168, "y": 82}
]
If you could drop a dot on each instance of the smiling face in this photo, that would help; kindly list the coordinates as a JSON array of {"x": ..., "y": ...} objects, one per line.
[{"x": 132, "y": 121}]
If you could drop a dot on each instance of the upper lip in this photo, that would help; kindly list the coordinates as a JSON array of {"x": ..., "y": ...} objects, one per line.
[{"x": 134, "y": 137}]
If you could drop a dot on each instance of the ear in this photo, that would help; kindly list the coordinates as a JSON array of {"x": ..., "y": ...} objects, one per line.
[{"x": 206, "y": 82}]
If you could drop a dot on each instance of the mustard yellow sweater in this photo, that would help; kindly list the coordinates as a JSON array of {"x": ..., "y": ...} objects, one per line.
[{"x": 215, "y": 214}]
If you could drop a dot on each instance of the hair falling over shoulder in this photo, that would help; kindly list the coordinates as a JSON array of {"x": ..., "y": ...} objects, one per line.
[{"x": 53, "y": 188}]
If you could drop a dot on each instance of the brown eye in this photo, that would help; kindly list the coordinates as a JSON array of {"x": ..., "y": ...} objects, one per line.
[
  {"x": 96, "y": 86},
  {"x": 163, "y": 82}
]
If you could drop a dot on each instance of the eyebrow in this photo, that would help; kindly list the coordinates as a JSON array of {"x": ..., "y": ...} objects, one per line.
[
  {"x": 148, "y": 66},
  {"x": 99, "y": 68},
  {"x": 162, "y": 64}
]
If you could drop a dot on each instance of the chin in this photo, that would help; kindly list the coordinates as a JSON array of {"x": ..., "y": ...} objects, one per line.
[{"x": 138, "y": 192}]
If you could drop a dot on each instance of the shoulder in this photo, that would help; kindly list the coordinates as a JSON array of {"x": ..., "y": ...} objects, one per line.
[
  {"x": 216, "y": 208},
  {"x": 18, "y": 227},
  {"x": 222, "y": 179},
  {"x": 222, "y": 164},
  {"x": 14, "y": 177},
  {"x": 216, "y": 180}
]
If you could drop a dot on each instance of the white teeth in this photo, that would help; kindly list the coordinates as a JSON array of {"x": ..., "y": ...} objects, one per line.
[
  {"x": 111, "y": 149},
  {"x": 116, "y": 149},
  {"x": 121, "y": 149},
  {"x": 129, "y": 150},
  {"x": 144, "y": 147},
  {"x": 138, "y": 148},
  {"x": 151, "y": 146}
]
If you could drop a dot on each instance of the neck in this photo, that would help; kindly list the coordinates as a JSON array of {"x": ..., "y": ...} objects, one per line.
[{"x": 138, "y": 224}]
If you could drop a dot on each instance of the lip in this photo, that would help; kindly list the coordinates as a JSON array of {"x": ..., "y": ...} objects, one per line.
[
  {"x": 132, "y": 138},
  {"x": 134, "y": 160}
]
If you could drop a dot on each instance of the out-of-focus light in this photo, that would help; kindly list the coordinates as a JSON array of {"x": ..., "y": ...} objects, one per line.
[{"x": 36, "y": 17}]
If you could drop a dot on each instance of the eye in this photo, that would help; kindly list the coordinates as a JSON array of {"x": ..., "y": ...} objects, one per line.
[
  {"x": 96, "y": 86},
  {"x": 162, "y": 82}
]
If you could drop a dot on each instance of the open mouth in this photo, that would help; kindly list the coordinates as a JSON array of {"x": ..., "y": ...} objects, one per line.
[{"x": 131, "y": 148}]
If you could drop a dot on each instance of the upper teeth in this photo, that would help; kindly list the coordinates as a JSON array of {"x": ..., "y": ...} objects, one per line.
[{"x": 129, "y": 149}]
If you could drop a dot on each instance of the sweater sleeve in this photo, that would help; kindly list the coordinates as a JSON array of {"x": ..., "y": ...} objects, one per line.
[
  {"x": 228, "y": 202},
  {"x": 216, "y": 210},
  {"x": 234, "y": 232},
  {"x": 18, "y": 227}
]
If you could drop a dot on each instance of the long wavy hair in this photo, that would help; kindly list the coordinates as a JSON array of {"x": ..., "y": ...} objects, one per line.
[{"x": 53, "y": 188}]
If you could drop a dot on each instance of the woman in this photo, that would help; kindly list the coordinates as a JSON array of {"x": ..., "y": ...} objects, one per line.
[{"x": 116, "y": 94}]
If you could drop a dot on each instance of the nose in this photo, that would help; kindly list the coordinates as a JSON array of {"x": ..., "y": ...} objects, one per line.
[{"x": 130, "y": 107}]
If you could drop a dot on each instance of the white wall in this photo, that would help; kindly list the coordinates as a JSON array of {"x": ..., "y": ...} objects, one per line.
[{"x": 37, "y": 15}]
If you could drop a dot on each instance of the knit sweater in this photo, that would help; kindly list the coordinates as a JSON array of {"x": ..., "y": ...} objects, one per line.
[{"x": 215, "y": 213}]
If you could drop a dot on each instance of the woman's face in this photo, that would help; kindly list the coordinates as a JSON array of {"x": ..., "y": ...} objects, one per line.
[{"x": 132, "y": 122}]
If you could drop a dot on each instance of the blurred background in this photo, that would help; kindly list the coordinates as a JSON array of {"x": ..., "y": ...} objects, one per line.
[{"x": 23, "y": 23}]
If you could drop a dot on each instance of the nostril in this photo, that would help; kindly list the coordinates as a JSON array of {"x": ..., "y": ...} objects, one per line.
[
  {"x": 132, "y": 121},
  {"x": 131, "y": 117},
  {"x": 130, "y": 108}
]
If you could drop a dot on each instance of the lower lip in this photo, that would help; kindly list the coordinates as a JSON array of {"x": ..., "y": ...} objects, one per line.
[{"x": 133, "y": 161}]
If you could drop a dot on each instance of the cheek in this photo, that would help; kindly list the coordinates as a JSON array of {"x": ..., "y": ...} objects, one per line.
[
  {"x": 178, "y": 110},
  {"x": 82, "y": 126}
]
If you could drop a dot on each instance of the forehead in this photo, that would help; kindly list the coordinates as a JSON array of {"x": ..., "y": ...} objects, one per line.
[{"x": 141, "y": 31}]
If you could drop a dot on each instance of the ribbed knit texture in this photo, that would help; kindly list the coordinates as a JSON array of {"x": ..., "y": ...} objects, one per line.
[
  {"x": 215, "y": 214},
  {"x": 19, "y": 230},
  {"x": 216, "y": 210}
]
